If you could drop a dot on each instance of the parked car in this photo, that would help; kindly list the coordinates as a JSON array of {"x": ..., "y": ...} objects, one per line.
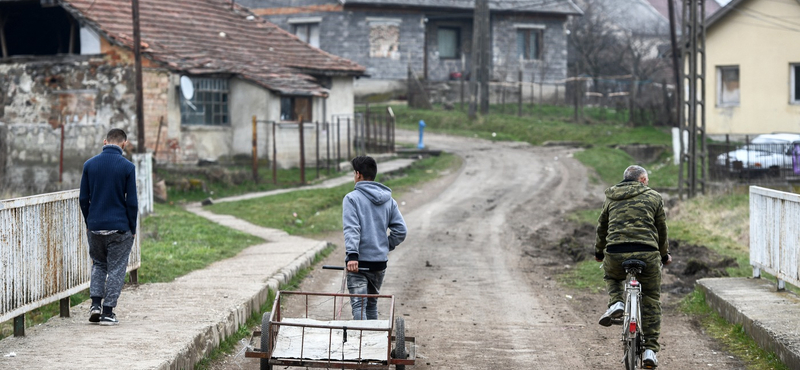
[{"x": 763, "y": 153}]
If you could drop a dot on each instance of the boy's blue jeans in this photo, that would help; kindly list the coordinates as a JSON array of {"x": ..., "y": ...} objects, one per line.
[{"x": 365, "y": 282}]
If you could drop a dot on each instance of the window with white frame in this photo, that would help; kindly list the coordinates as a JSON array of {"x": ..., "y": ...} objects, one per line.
[
  {"x": 209, "y": 103},
  {"x": 728, "y": 86},
  {"x": 794, "y": 71},
  {"x": 308, "y": 32},
  {"x": 529, "y": 41},
  {"x": 449, "y": 40}
]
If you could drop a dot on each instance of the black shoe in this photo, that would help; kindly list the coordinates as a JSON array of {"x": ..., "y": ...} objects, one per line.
[
  {"x": 614, "y": 312},
  {"x": 109, "y": 320},
  {"x": 94, "y": 313}
]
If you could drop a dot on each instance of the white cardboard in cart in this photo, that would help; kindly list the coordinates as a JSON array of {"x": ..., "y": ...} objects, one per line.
[{"x": 314, "y": 342}]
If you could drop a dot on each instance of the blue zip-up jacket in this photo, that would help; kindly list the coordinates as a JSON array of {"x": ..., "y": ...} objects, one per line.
[
  {"x": 367, "y": 212},
  {"x": 108, "y": 191}
]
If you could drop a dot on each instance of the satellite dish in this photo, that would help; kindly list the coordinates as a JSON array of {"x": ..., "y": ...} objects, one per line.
[{"x": 187, "y": 88}]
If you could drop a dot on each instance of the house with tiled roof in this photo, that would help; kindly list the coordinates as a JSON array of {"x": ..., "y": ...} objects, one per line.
[
  {"x": 70, "y": 63},
  {"x": 434, "y": 37}
]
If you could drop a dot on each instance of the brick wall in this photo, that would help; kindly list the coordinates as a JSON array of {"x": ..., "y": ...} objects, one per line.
[{"x": 156, "y": 85}]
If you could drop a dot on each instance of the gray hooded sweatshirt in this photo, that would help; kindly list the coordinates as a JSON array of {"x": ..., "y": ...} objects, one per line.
[{"x": 367, "y": 212}]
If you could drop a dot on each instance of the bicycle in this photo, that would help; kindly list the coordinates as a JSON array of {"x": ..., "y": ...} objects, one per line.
[{"x": 632, "y": 337}]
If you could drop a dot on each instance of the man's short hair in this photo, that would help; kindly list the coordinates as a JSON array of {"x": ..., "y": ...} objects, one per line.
[
  {"x": 366, "y": 166},
  {"x": 633, "y": 173},
  {"x": 116, "y": 135}
]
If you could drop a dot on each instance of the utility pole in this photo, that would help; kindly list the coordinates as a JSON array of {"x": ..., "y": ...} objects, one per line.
[
  {"x": 486, "y": 58},
  {"x": 692, "y": 118},
  {"x": 481, "y": 53},
  {"x": 137, "y": 55},
  {"x": 476, "y": 59}
]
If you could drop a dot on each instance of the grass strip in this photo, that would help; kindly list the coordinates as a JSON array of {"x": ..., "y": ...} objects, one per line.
[
  {"x": 315, "y": 211},
  {"x": 733, "y": 337}
]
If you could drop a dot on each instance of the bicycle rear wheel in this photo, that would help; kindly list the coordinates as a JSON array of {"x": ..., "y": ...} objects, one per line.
[{"x": 632, "y": 353}]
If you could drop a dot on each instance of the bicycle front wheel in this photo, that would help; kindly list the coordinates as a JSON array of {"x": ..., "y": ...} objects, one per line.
[{"x": 632, "y": 353}]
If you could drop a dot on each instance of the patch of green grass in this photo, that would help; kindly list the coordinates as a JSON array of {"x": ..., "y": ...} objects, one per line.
[
  {"x": 230, "y": 344},
  {"x": 733, "y": 337},
  {"x": 585, "y": 275},
  {"x": 308, "y": 212},
  {"x": 177, "y": 242}
]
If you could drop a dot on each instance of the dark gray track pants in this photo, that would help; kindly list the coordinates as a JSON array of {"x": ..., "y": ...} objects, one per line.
[{"x": 109, "y": 255}]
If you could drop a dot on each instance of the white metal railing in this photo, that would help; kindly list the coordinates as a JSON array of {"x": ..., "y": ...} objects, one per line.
[
  {"x": 44, "y": 252},
  {"x": 775, "y": 234}
]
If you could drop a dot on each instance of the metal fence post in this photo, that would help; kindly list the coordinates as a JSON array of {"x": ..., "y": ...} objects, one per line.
[
  {"x": 316, "y": 127},
  {"x": 274, "y": 156},
  {"x": 19, "y": 326},
  {"x": 302, "y": 151},
  {"x": 348, "y": 139}
]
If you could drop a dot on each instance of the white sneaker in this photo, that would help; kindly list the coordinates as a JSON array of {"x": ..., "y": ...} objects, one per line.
[
  {"x": 614, "y": 312},
  {"x": 649, "y": 360}
]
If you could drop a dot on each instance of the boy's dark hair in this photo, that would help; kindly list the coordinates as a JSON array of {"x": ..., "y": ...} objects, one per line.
[
  {"x": 116, "y": 135},
  {"x": 366, "y": 166}
]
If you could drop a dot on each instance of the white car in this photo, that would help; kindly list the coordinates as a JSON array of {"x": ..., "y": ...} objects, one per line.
[{"x": 764, "y": 152}]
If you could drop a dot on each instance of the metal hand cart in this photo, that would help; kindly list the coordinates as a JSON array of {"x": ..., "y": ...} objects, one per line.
[{"x": 323, "y": 340}]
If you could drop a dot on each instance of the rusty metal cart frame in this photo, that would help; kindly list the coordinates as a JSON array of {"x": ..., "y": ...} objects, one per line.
[{"x": 272, "y": 322}]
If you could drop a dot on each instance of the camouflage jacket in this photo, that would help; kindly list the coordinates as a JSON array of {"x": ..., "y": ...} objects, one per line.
[{"x": 632, "y": 213}]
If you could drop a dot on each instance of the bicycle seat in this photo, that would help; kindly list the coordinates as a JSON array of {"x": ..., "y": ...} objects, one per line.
[{"x": 634, "y": 263}]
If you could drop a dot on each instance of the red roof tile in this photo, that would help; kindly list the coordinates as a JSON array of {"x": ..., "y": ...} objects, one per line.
[{"x": 213, "y": 36}]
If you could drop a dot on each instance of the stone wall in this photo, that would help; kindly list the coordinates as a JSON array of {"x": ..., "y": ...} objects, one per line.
[
  {"x": 34, "y": 155},
  {"x": 347, "y": 34},
  {"x": 72, "y": 90},
  {"x": 553, "y": 65}
]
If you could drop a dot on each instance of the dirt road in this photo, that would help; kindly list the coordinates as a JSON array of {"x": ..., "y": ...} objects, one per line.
[{"x": 475, "y": 278}]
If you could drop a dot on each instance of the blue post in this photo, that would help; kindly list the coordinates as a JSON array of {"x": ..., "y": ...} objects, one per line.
[{"x": 421, "y": 130}]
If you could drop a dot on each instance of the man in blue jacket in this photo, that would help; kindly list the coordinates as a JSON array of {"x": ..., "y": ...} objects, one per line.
[
  {"x": 110, "y": 207},
  {"x": 367, "y": 212}
]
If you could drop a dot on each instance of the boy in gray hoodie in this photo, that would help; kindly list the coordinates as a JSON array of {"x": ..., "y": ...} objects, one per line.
[{"x": 367, "y": 212}]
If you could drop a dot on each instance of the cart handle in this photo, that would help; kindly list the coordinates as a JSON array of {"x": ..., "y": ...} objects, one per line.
[{"x": 331, "y": 267}]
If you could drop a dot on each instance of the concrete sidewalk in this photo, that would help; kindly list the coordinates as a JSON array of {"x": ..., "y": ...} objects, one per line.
[
  {"x": 174, "y": 325},
  {"x": 772, "y": 318},
  {"x": 383, "y": 167}
]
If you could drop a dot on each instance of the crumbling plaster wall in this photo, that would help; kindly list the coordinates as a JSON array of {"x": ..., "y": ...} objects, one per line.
[{"x": 84, "y": 93}]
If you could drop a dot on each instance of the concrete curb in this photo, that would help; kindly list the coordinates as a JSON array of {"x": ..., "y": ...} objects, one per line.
[
  {"x": 211, "y": 336},
  {"x": 769, "y": 317}
]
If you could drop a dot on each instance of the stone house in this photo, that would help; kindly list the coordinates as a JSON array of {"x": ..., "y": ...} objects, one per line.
[
  {"x": 434, "y": 37},
  {"x": 69, "y": 64}
]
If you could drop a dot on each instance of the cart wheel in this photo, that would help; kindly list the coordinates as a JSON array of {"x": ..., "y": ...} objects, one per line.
[
  {"x": 400, "y": 341},
  {"x": 265, "y": 340}
]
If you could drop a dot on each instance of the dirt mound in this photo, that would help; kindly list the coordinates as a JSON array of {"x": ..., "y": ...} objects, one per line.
[{"x": 690, "y": 262}]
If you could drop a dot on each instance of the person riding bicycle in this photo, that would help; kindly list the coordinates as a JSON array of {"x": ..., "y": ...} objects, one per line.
[{"x": 633, "y": 225}]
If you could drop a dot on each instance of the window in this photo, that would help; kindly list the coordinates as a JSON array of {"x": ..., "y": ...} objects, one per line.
[
  {"x": 728, "y": 86},
  {"x": 529, "y": 43},
  {"x": 209, "y": 105},
  {"x": 292, "y": 107},
  {"x": 37, "y": 28},
  {"x": 795, "y": 86},
  {"x": 308, "y": 32},
  {"x": 449, "y": 43}
]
